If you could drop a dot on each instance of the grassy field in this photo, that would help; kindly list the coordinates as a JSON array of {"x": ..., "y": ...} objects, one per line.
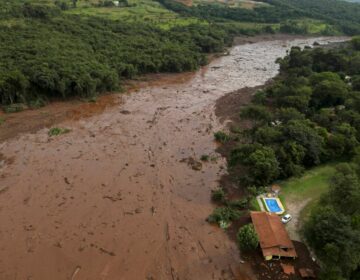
[
  {"x": 310, "y": 186},
  {"x": 314, "y": 26},
  {"x": 137, "y": 11},
  {"x": 245, "y": 4}
]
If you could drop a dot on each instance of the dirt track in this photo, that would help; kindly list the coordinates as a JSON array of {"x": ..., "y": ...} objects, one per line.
[{"x": 116, "y": 198}]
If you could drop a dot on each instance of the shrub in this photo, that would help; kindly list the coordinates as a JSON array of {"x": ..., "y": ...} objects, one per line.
[
  {"x": 223, "y": 216},
  {"x": 205, "y": 158},
  {"x": 247, "y": 238},
  {"x": 238, "y": 203},
  {"x": 218, "y": 195},
  {"x": 13, "y": 108},
  {"x": 55, "y": 131},
  {"x": 221, "y": 137},
  {"x": 356, "y": 42}
]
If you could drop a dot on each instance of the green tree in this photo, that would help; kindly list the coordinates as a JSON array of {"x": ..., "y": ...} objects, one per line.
[
  {"x": 263, "y": 166},
  {"x": 356, "y": 43},
  {"x": 328, "y": 93},
  {"x": 256, "y": 112},
  {"x": 304, "y": 134},
  {"x": 345, "y": 190},
  {"x": 335, "y": 242},
  {"x": 247, "y": 238}
]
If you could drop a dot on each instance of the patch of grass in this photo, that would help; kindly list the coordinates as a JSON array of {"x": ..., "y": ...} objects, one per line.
[
  {"x": 2, "y": 120},
  {"x": 13, "y": 108},
  {"x": 213, "y": 158},
  {"x": 312, "y": 184},
  {"x": 224, "y": 216},
  {"x": 221, "y": 137},
  {"x": 148, "y": 11},
  {"x": 316, "y": 27},
  {"x": 55, "y": 131},
  {"x": 37, "y": 103},
  {"x": 238, "y": 203},
  {"x": 245, "y": 4},
  {"x": 254, "y": 205},
  {"x": 90, "y": 99},
  {"x": 218, "y": 195},
  {"x": 205, "y": 158}
]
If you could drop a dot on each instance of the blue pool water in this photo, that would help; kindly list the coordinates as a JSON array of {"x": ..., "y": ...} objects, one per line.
[{"x": 272, "y": 205}]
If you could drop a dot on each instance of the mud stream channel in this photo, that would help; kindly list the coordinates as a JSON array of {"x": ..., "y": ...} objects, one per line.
[{"x": 118, "y": 197}]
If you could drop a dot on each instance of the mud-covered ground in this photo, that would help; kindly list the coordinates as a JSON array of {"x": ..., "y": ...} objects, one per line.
[{"x": 123, "y": 194}]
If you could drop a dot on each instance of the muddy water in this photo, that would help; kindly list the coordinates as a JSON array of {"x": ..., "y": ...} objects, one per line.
[{"x": 116, "y": 198}]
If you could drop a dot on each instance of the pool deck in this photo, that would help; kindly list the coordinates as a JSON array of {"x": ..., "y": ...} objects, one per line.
[
  {"x": 260, "y": 198},
  {"x": 259, "y": 201}
]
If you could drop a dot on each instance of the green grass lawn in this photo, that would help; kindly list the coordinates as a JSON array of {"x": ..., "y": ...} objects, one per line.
[
  {"x": 245, "y": 4},
  {"x": 315, "y": 26},
  {"x": 254, "y": 205},
  {"x": 311, "y": 185},
  {"x": 138, "y": 10}
]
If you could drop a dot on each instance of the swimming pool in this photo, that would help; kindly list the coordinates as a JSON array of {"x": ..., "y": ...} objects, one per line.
[{"x": 274, "y": 205}]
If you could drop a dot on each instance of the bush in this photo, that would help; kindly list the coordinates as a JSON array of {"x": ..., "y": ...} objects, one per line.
[
  {"x": 238, "y": 203},
  {"x": 223, "y": 216},
  {"x": 221, "y": 137},
  {"x": 218, "y": 195},
  {"x": 55, "y": 131},
  {"x": 205, "y": 158},
  {"x": 356, "y": 43},
  {"x": 13, "y": 108},
  {"x": 247, "y": 238}
]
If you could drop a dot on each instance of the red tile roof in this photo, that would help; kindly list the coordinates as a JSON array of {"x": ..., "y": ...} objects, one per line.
[{"x": 273, "y": 237}]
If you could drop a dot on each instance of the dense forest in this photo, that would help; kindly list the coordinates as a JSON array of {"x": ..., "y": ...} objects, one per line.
[
  {"x": 45, "y": 53},
  {"x": 333, "y": 228},
  {"x": 52, "y": 49},
  {"x": 308, "y": 116}
]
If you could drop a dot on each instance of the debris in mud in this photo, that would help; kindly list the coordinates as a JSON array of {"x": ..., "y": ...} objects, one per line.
[
  {"x": 125, "y": 112},
  {"x": 194, "y": 164},
  {"x": 3, "y": 189},
  {"x": 29, "y": 228},
  {"x": 58, "y": 245},
  {"x": 77, "y": 269},
  {"x": 102, "y": 250},
  {"x": 153, "y": 210},
  {"x": 5, "y": 160},
  {"x": 113, "y": 198},
  {"x": 138, "y": 210}
]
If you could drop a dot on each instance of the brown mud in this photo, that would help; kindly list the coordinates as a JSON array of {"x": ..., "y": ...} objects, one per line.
[{"x": 118, "y": 196}]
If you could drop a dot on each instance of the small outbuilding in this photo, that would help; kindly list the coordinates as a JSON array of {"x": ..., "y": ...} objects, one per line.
[{"x": 274, "y": 240}]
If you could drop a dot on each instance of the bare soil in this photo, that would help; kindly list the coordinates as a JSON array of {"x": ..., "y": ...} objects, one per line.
[
  {"x": 114, "y": 198},
  {"x": 295, "y": 208}
]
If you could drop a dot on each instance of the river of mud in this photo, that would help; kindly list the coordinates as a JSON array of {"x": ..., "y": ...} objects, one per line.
[{"x": 123, "y": 196}]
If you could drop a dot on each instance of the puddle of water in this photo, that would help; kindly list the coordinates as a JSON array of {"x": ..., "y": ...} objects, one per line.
[{"x": 114, "y": 198}]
